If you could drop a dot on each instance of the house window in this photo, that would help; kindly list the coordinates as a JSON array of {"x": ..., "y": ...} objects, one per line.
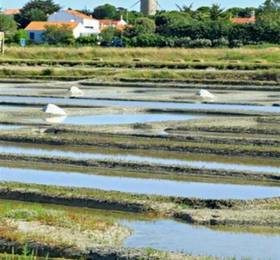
[{"x": 32, "y": 36}]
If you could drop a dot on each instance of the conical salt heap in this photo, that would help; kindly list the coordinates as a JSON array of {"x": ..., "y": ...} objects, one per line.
[
  {"x": 76, "y": 92},
  {"x": 54, "y": 110}
]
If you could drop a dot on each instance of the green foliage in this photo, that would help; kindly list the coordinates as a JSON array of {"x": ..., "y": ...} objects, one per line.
[
  {"x": 7, "y": 24},
  {"x": 21, "y": 34},
  {"x": 142, "y": 26},
  {"x": 107, "y": 36},
  {"x": 55, "y": 35},
  {"x": 106, "y": 11},
  {"x": 207, "y": 26},
  {"x": 36, "y": 10},
  {"x": 47, "y": 72},
  {"x": 216, "y": 12},
  {"x": 90, "y": 40}
]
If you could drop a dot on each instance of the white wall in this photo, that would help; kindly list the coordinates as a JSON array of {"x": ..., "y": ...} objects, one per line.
[
  {"x": 78, "y": 31},
  {"x": 38, "y": 35},
  {"x": 90, "y": 26}
]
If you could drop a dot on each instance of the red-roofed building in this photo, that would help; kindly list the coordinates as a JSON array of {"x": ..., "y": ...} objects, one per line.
[
  {"x": 118, "y": 24},
  {"x": 89, "y": 24},
  {"x": 244, "y": 20},
  {"x": 11, "y": 12},
  {"x": 37, "y": 29}
]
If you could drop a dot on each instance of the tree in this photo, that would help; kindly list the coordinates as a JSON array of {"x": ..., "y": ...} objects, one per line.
[
  {"x": 185, "y": 8},
  {"x": 36, "y": 10},
  {"x": 107, "y": 36},
  {"x": 271, "y": 5},
  {"x": 106, "y": 11},
  {"x": 21, "y": 34},
  {"x": 7, "y": 24},
  {"x": 142, "y": 26},
  {"x": 132, "y": 16},
  {"x": 91, "y": 40},
  {"x": 269, "y": 12},
  {"x": 58, "y": 35},
  {"x": 216, "y": 12}
]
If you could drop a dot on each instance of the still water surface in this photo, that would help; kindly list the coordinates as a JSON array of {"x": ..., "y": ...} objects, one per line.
[{"x": 138, "y": 185}]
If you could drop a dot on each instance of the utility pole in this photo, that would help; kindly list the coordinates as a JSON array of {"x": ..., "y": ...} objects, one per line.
[{"x": 2, "y": 42}]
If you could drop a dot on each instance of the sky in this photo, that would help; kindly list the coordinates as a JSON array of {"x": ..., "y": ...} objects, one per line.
[{"x": 164, "y": 4}]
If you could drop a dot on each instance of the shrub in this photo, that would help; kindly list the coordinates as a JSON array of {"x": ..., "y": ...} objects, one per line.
[
  {"x": 184, "y": 42},
  {"x": 20, "y": 34},
  {"x": 47, "y": 72},
  {"x": 87, "y": 40},
  {"x": 58, "y": 35},
  {"x": 236, "y": 44},
  {"x": 222, "y": 42},
  {"x": 201, "y": 43}
]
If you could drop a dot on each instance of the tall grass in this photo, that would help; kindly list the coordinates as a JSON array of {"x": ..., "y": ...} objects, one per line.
[{"x": 246, "y": 54}]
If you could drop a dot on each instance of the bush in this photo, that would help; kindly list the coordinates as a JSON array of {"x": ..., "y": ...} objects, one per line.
[
  {"x": 184, "y": 42},
  {"x": 20, "y": 34},
  {"x": 47, "y": 72},
  {"x": 222, "y": 42},
  {"x": 108, "y": 36},
  {"x": 236, "y": 44},
  {"x": 88, "y": 40},
  {"x": 201, "y": 43},
  {"x": 55, "y": 35}
]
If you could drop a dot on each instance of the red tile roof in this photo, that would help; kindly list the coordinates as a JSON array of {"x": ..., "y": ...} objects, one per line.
[
  {"x": 41, "y": 26},
  {"x": 78, "y": 14},
  {"x": 239, "y": 20},
  {"x": 104, "y": 23},
  {"x": 11, "y": 11}
]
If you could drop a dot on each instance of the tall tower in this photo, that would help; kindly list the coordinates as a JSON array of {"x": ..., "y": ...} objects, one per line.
[{"x": 149, "y": 7}]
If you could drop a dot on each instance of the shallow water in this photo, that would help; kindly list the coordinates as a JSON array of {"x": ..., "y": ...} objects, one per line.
[
  {"x": 116, "y": 119},
  {"x": 12, "y": 149},
  {"x": 138, "y": 185},
  {"x": 9, "y": 127},
  {"x": 169, "y": 235},
  {"x": 144, "y": 104}
]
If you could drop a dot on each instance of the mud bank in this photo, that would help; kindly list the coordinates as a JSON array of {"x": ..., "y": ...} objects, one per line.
[
  {"x": 130, "y": 142},
  {"x": 41, "y": 250},
  {"x": 119, "y": 168},
  {"x": 262, "y": 212}
]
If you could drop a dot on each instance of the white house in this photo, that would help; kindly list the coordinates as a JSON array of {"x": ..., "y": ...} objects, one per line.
[
  {"x": 37, "y": 29},
  {"x": 89, "y": 24}
]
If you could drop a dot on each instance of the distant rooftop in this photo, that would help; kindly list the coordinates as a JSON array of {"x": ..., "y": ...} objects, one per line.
[
  {"x": 239, "y": 20},
  {"x": 41, "y": 26},
  {"x": 78, "y": 14},
  {"x": 11, "y": 11}
]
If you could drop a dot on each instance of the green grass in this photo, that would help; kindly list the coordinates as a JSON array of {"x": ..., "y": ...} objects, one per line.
[
  {"x": 44, "y": 216},
  {"x": 269, "y": 54},
  {"x": 22, "y": 257},
  {"x": 109, "y": 74}
]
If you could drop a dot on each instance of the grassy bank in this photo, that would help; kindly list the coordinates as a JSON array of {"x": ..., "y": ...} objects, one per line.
[
  {"x": 106, "y": 74},
  {"x": 228, "y": 66},
  {"x": 246, "y": 54},
  {"x": 131, "y": 142},
  {"x": 227, "y": 212},
  {"x": 30, "y": 231}
]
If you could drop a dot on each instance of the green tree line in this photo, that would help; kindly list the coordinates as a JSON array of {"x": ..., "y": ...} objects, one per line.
[{"x": 186, "y": 27}]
